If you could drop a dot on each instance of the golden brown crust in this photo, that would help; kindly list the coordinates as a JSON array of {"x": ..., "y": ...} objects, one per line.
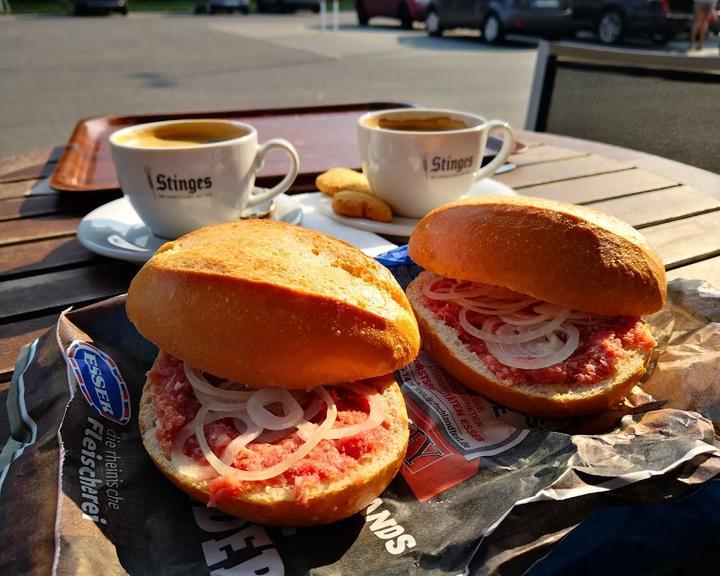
[
  {"x": 356, "y": 204},
  {"x": 270, "y": 304},
  {"x": 278, "y": 506},
  {"x": 568, "y": 255},
  {"x": 338, "y": 179},
  {"x": 544, "y": 400}
]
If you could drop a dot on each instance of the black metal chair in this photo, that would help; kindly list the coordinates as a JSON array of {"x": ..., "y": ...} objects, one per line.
[{"x": 664, "y": 104}]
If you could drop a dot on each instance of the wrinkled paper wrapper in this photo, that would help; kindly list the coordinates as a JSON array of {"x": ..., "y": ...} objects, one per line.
[{"x": 483, "y": 490}]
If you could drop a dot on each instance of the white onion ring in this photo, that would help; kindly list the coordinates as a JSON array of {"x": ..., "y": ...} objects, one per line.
[
  {"x": 266, "y": 419},
  {"x": 199, "y": 382},
  {"x": 533, "y": 359},
  {"x": 495, "y": 307},
  {"x": 280, "y": 467},
  {"x": 509, "y": 334},
  {"x": 375, "y": 417},
  {"x": 454, "y": 293},
  {"x": 250, "y": 433},
  {"x": 185, "y": 464}
]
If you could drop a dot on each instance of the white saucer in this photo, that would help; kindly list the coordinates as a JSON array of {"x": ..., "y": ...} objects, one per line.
[
  {"x": 115, "y": 230},
  {"x": 404, "y": 226}
]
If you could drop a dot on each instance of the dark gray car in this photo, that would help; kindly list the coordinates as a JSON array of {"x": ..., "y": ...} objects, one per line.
[
  {"x": 611, "y": 20},
  {"x": 495, "y": 18}
]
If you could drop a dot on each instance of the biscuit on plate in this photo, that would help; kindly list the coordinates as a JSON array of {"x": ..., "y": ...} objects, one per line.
[
  {"x": 337, "y": 179},
  {"x": 356, "y": 204}
]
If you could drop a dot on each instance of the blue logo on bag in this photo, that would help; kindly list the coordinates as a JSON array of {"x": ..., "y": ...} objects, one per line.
[{"x": 100, "y": 381}]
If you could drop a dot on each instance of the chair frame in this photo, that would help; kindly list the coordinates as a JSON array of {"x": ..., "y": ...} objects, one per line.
[{"x": 572, "y": 52}]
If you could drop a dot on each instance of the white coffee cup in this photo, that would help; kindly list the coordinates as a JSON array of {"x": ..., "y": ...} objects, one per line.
[
  {"x": 417, "y": 159},
  {"x": 181, "y": 175}
]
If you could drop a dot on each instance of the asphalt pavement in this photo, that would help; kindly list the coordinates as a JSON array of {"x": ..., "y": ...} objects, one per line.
[{"x": 55, "y": 70}]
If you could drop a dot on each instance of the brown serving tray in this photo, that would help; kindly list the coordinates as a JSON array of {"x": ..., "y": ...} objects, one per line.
[{"x": 324, "y": 136}]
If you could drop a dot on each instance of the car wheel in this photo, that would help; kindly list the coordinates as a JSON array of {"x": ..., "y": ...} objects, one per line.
[
  {"x": 434, "y": 27},
  {"x": 611, "y": 27},
  {"x": 124, "y": 11},
  {"x": 245, "y": 10},
  {"x": 492, "y": 30},
  {"x": 406, "y": 20},
  {"x": 362, "y": 14}
]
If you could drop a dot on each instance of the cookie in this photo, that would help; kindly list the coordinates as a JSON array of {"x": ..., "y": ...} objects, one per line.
[
  {"x": 337, "y": 179},
  {"x": 360, "y": 205}
]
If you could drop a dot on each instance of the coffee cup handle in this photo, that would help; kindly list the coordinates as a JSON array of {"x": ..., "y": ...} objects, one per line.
[
  {"x": 259, "y": 195},
  {"x": 505, "y": 150}
]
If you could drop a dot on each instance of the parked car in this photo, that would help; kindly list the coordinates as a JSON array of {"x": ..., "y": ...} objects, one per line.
[
  {"x": 228, "y": 6},
  {"x": 100, "y": 6},
  {"x": 495, "y": 18},
  {"x": 611, "y": 20},
  {"x": 407, "y": 11}
]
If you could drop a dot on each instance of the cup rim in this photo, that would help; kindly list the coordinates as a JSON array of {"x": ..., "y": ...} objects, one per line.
[
  {"x": 251, "y": 131},
  {"x": 480, "y": 120}
]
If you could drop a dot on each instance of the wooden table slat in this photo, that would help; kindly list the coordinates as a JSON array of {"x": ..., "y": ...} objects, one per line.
[
  {"x": 13, "y": 336},
  {"x": 43, "y": 255},
  {"x": 708, "y": 270},
  {"x": 667, "y": 204},
  {"x": 542, "y": 153},
  {"x": 40, "y": 205},
  {"x": 34, "y": 187},
  {"x": 42, "y": 227},
  {"x": 688, "y": 240},
  {"x": 32, "y": 165},
  {"x": 535, "y": 174},
  {"x": 35, "y": 295},
  {"x": 600, "y": 186}
]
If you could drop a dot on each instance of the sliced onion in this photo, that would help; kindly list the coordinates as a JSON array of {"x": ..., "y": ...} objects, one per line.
[
  {"x": 533, "y": 358},
  {"x": 517, "y": 319},
  {"x": 247, "y": 434},
  {"x": 199, "y": 383},
  {"x": 280, "y": 467},
  {"x": 266, "y": 419},
  {"x": 457, "y": 290},
  {"x": 495, "y": 307},
  {"x": 186, "y": 465},
  {"x": 375, "y": 417},
  {"x": 509, "y": 334}
]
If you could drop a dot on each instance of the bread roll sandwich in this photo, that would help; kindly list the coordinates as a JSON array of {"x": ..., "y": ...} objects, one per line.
[
  {"x": 272, "y": 397},
  {"x": 536, "y": 304}
]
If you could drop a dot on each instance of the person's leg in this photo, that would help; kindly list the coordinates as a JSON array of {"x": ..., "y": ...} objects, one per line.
[
  {"x": 695, "y": 26},
  {"x": 704, "y": 21}
]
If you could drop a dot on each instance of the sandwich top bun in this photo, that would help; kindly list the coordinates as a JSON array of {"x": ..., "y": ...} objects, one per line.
[
  {"x": 564, "y": 254},
  {"x": 267, "y": 304}
]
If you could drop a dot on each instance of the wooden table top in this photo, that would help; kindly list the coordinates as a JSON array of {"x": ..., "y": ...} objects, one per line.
[{"x": 44, "y": 270}]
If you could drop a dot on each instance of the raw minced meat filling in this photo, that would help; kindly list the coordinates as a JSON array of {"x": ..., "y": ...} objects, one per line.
[
  {"x": 176, "y": 405},
  {"x": 601, "y": 346}
]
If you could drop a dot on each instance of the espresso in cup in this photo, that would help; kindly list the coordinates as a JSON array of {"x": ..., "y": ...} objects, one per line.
[
  {"x": 181, "y": 175},
  {"x": 185, "y": 135},
  {"x": 429, "y": 124},
  {"x": 418, "y": 159}
]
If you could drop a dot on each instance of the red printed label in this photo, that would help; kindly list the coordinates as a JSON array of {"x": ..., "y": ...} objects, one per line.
[{"x": 451, "y": 429}]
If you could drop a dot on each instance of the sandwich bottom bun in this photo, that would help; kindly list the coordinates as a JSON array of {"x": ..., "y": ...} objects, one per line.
[
  {"x": 567, "y": 400},
  {"x": 323, "y": 502}
]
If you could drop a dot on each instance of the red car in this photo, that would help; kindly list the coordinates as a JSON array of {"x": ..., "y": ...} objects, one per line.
[{"x": 407, "y": 11}]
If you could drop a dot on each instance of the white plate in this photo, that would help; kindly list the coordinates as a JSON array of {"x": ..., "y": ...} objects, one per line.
[
  {"x": 115, "y": 230},
  {"x": 404, "y": 226}
]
